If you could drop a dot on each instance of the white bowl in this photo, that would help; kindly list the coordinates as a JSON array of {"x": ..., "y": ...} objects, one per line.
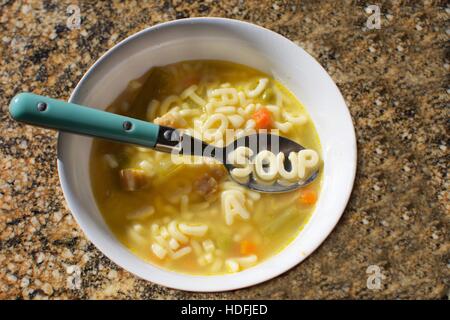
[{"x": 219, "y": 39}]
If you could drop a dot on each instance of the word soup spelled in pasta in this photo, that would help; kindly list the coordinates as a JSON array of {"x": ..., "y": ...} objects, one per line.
[{"x": 269, "y": 167}]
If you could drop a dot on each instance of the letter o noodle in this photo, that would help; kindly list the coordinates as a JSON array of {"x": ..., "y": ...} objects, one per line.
[
  {"x": 208, "y": 126},
  {"x": 268, "y": 158}
]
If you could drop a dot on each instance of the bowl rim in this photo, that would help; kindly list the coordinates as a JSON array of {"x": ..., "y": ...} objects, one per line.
[{"x": 196, "y": 286}]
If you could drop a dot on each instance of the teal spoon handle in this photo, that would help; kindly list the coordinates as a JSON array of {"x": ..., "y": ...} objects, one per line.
[{"x": 64, "y": 116}]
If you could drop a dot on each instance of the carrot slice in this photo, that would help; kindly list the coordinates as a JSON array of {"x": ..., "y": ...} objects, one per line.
[
  {"x": 247, "y": 247},
  {"x": 263, "y": 118},
  {"x": 308, "y": 197}
]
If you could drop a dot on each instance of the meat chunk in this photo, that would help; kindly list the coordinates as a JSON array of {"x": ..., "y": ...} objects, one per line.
[
  {"x": 207, "y": 185},
  {"x": 173, "y": 120},
  {"x": 217, "y": 171},
  {"x": 133, "y": 179}
]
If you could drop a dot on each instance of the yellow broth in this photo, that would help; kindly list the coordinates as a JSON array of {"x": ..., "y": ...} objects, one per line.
[{"x": 275, "y": 219}]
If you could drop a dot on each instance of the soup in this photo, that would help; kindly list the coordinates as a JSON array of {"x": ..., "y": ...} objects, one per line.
[{"x": 190, "y": 216}]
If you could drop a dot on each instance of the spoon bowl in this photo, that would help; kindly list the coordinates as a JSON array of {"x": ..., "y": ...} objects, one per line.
[{"x": 174, "y": 141}]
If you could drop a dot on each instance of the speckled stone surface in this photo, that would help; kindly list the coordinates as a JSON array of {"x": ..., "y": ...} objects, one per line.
[{"x": 395, "y": 81}]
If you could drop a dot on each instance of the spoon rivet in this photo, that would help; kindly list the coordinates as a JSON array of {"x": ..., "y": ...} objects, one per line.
[
  {"x": 127, "y": 125},
  {"x": 167, "y": 135},
  {"x": 41, "y": 106}
]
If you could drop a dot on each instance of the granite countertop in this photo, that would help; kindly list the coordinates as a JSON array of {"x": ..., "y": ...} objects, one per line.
[{"x": 395, "y": 81}]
